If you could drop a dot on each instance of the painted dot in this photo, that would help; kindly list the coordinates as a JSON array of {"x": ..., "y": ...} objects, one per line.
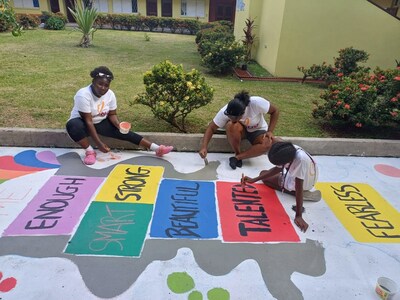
[
  {"x": 387, "y": 170},
  {"x": 195, "y": 295},
  {"x": 218, "y": 294},
  {"x": 180, "y": 282}
]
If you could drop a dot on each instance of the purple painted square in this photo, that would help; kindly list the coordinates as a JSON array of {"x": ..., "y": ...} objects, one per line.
[{"x": 57, "y": 207}]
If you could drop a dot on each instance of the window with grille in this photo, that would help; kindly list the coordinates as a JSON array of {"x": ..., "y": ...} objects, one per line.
[{"x": 193, "y": 8}]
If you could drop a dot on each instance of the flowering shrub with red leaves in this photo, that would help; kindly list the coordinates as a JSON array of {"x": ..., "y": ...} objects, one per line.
[
  {"x": 344, "y": 65},
  {"x": 362, "y": 99}
]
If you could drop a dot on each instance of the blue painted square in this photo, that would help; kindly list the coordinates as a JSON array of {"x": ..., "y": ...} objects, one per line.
[{"x": 185, "y": 209}]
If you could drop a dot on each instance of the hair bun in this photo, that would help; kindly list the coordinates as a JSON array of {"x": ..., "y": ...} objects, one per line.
[{"x": 281, "y": 153}]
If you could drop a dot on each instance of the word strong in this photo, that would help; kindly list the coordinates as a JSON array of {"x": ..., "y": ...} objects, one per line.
[
  {"x": 131, "y": 184},
  {"x": 249, "y": 210}
]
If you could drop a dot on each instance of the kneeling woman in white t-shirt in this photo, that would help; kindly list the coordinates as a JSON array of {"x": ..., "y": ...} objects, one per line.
[
  {"x": 295, "y": 172},
  {"x": 95, "y": 113}
]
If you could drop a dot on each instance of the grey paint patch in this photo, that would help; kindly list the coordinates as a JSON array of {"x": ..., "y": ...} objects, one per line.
[
  {"x": 71, "y": 164},
  {"x": 110, "y": 276}
]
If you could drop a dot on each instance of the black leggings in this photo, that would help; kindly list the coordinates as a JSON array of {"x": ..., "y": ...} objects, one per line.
[{"x": 77, "y": 130}]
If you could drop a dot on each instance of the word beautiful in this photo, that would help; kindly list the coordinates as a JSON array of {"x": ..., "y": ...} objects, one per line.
[
  {"x": 185, "y": 208},
  {"x": 370, "y": 218}
]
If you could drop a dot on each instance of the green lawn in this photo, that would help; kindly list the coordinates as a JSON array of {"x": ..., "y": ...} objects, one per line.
[{"x": 42, "y": 70}]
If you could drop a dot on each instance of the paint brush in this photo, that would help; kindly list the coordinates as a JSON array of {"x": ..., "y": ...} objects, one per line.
[
  {"x": 205, "y": 161},
  {"x": 243, "y": 183}
]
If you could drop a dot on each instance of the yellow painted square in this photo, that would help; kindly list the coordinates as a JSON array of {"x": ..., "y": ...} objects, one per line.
[
  {"x": 131, "y": 184},
  {"x": 364, "y": 213}
]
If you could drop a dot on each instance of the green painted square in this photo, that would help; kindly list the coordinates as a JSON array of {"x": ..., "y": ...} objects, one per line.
[{"x": 116, "y": 229}]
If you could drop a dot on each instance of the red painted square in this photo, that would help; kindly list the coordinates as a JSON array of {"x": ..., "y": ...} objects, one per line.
[{"x": 252, "y": 214}]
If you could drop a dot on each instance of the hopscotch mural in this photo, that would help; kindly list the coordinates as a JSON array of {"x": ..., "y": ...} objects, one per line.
[{"x": 150, "y": 231}]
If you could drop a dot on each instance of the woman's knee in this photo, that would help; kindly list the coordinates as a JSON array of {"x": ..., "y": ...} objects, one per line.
[{"x": 76, "y": 129}]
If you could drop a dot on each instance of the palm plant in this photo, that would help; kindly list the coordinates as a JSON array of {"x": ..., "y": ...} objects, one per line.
[{"x": 85, "y": 16}]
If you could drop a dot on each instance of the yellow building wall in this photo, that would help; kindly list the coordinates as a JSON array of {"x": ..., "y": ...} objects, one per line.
[
  {"x": 43, "y": 6},
  {"x": 176, "y": 9},
  {"x": 268, "y": 16},
  {"x": 304, "y": 32}
]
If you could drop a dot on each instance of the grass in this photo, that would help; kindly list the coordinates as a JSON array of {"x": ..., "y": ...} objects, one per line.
[{"x": 42, "y": 70}]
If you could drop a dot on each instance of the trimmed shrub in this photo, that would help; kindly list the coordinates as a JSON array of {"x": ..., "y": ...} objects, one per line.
[
  {"x": 223, "y": 56},
  {"x": 101, "y": 21},
  {"x": 56, "y": 21},
  {"x": 28, "y": 21},
  {"x": 362, "y": 99},
  {"x": 172, "y": 93},
  {"x": 344, "y": 65}
]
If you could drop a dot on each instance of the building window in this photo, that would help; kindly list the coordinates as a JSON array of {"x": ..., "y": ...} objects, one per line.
[
  {"x": 26, "y": 3},
  {"x": 134, "y": 6},
  {"x": 193, "y": 8},
  {"x": 101, "y": 6}
]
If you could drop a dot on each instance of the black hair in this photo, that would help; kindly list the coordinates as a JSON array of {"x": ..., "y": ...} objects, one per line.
[
  {"x": 243, "y": 97},
  {"x": 102, "y": 72},
  {"x": 281, "y": 153},
  {"x": 237, "y": 105}
]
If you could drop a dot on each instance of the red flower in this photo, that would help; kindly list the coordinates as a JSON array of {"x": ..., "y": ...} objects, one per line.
[
  {"x": 347, "y": 106},
  {"x": 358, "y": 125},
  {"x": 336, "y": 92},
  {"x": 341, "y": 74},
  {"x": 397, "y": 78},
  {"x": 394, "y": 99},
  {"x": 338, "y": 103},
  {"x": 393, "y": 113},
  {"x": 381, "y": 77},
  {"x": 365, "y": 87}
]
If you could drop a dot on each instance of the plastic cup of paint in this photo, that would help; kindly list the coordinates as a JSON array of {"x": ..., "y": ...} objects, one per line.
[
  {"x": 124, "y": 127},
  {"x": 385, "y": 288}
]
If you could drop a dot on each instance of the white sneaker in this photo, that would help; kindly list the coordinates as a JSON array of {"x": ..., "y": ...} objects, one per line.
[{"x": 314, "y": 196}]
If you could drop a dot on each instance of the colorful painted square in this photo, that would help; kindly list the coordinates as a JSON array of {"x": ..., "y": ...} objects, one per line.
[
  {"x": 57, "y": 207},
  {"x": 252, "y": 214},
  {"x": 363, "y": 212},
  {"x": 185, "y": 209},
  {"x": 131, "y": 184},
  {"x": 117, "y": 229}
]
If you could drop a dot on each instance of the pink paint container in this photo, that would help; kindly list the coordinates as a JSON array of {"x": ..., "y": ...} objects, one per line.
[
  {"x": 385, "y": 288},
  {"x": 124, "y": 127}
]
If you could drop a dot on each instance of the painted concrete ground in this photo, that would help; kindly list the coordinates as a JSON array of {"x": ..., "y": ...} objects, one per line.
[{"x": 134, "y": 226}]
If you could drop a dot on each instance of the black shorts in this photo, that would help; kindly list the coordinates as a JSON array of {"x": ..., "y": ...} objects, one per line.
[
  {"x": 77, "y": 130},
  {"x": 251, "y": 136}
]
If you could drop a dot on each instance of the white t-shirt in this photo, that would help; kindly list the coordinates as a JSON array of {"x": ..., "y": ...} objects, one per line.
[
  {"x": 302, "y": 167},
  {"x": 253, "y": 117},
  {"x": 85, "y": 101}
]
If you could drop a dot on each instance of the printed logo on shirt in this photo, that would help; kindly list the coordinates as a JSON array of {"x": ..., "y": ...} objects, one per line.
[{"x": 100, "y": 110}]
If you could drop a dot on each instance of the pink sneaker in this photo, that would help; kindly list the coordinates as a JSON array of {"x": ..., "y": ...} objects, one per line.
[
  {"x": 90, "y": 157},
  {"x": 162, "y": 150}
]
